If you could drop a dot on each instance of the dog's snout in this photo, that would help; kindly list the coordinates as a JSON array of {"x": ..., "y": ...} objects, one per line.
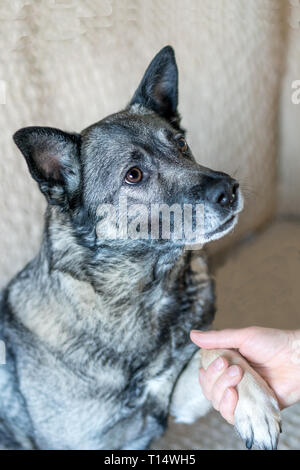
[{"x": 223, "y": 192}]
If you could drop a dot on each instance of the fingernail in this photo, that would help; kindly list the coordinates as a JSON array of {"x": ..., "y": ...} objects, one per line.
[
  {"x": 195, "y": 332},
  {"x": 219, "y": 364},
  {"x": 201, "y": 332},
  {"x": 233, "y": 371}
]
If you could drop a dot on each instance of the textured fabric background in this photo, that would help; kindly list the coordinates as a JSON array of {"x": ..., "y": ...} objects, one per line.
[{"x": 68, "y": 63}]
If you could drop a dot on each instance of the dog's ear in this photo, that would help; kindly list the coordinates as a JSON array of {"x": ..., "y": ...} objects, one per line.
[
  {"x": 158, "y": 89},
  {"x": 52, "y": 157}
]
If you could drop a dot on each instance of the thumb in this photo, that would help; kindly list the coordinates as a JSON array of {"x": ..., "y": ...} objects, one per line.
[{"x": 220, "y": 339}]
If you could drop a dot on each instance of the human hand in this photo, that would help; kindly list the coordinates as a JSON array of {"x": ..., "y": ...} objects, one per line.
[{"x": 273, "y": 354}]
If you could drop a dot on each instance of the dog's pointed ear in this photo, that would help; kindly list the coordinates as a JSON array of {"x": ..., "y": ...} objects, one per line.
[
  {"x": 52, "y": 157},
  {"x": 158, "y": 89}
]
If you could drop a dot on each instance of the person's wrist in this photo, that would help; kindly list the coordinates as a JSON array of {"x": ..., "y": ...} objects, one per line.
[{"x": 295, "y": 366}]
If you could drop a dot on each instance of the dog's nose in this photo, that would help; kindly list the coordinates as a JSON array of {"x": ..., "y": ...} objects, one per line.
[{"x": 223, "y": 192}]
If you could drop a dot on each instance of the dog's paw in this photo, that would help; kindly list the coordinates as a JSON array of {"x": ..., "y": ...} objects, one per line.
[{"x": 257, "y": 415}]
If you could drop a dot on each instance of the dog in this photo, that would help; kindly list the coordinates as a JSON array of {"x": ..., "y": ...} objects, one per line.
[{"x": 97, "y": 327}]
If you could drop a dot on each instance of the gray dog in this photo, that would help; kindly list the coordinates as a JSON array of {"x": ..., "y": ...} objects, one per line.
[{"x": 97, "y": 327}]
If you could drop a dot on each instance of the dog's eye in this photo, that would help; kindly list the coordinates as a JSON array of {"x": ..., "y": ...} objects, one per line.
[
  {"x": 134, "y": 175},
  {"x": 182, "y": 144}
]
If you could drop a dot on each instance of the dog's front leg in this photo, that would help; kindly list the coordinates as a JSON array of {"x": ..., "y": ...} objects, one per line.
[
  {"x": 257, "y": 416},
  {"x": 188, "y": 402}
]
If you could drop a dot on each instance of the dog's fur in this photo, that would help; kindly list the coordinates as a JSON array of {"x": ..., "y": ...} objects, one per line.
[{"x": 97, "y": 330}]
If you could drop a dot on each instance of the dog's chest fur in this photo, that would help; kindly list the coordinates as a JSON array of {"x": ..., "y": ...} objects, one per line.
[{"x": 96, "y": 361}]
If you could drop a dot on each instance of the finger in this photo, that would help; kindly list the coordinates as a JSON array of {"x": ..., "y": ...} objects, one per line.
[
  {"x": 229, "y": 338},
  {"x": 228, "y": 404},
  {"x": 230, "y": 378},
  {"x": 208, "y": 377}
]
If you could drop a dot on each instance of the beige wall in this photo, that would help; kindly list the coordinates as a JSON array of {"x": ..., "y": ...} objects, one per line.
[{"x": 68, "y": 63}]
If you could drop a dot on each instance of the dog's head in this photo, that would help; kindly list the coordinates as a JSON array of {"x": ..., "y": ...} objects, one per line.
[{"x": 139, "y": 155}]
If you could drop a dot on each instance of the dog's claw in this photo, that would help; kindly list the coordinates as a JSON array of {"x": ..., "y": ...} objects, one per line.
[
  {"x": 249, "y": 441},
  {"x": 249, "y": 444}
]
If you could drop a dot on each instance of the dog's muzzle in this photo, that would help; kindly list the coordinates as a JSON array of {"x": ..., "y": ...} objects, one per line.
[
  {"x": 222, "y": 202},
  {"x": 222, "y": 192}
]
